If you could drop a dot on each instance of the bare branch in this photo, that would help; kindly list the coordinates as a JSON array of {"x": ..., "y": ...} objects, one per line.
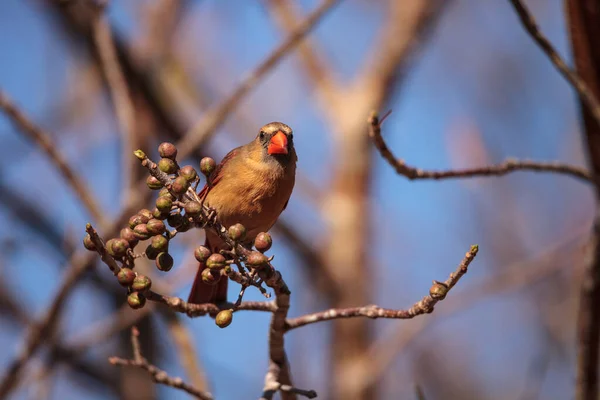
[
  {"x": 44, "y": 141},
  {"x": 583, "y": 91},
  {"x": 158, "y": 375},
  {"x": 437, "y": 292},
  {"x": 506, "y": 167},
  {"x": 214, "y": 117}
]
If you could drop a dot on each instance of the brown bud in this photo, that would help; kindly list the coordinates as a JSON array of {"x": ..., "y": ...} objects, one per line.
[
  {"x": 180, "y": 185},
  {"x": 188, "y": 172},
  {"x": 207, "y": 166},
  {"x": 146, "y": 214},
  {"x": 216, "y": 261},
  {"x": 438, "y": 290},
  {"x": 155, "y": 226},
  {"x": 167, "y": 150},
  {"x": 141, "y": 232},
  {"x": 263, "y": 242},
  {"x": 88, "y": 243},
  {"x": 164, "y": 203},
  {"x": 175, "y": 220},
  {"x": 237, "y": 232},
  {"x": 126, "y": 277},
  {"x": 136, "y": 220},
  {"x": 117, "y": 247},
  {"x": 153, "y": 183},
  {"x": 141, "y": 283},
  {"x": 167, "y": 165},
  {"x": 256, "y": 259},
  {"x": 202, "y": 253},
  {"x": 192, "y": 208},
  {"x": 224, "y": 318},
  {"x": 210, "y": 277},
  {"x": 159, "y": 243},
  {"x": 164, "y": 261},
  {"x": 136, "y": 300}
]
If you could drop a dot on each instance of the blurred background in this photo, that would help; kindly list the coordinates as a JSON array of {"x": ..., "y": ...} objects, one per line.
[{"x": 467, "y": 88}]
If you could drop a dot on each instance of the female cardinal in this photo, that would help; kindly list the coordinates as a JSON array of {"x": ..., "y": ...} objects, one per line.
[{"x": 251, "y": 186}]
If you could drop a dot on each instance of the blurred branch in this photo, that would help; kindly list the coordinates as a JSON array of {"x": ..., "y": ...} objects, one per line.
[
  {"x": 44, "y": 141},
  {"x": 287, "y": 14},
  {"x": 214, "y": 117},
  {"x": 158, "y": 375},
  {"x": 121, "y": 99},
  {"x": 437, "y": 292},
  {"x": 584, "y": 92},
  {"x": 506, "y": 167}
]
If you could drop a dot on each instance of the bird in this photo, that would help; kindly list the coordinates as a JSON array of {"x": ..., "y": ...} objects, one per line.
[{"x": 252, "y": 186}]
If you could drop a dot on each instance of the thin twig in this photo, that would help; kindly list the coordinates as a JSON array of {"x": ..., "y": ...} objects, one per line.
[
  {"x": 583, "y": 91},
  {"x": 506, "y": 167},
  {"x": 44, "y": 141},
  {"x": 424, "y": 306},
  {"x": 158, "y": 375},
  {"x": 214, "y": 117},
  {"x": 121, "y": 98}
]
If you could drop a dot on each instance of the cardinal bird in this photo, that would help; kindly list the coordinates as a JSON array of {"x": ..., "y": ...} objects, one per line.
[{"x": 251, "y": 186}]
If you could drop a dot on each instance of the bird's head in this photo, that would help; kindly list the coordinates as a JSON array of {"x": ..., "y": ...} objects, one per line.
[{"x": 276, "y": 140}]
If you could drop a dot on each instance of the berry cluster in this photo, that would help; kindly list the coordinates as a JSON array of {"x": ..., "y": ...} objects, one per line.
[{"x": 179, "y": 208}]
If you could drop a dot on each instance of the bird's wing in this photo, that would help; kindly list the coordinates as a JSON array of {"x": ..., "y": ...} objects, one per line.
[{"x": 217, "y": 174}]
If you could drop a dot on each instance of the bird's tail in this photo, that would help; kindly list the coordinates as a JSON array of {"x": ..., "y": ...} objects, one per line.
[{"x": 203, "y": 293}]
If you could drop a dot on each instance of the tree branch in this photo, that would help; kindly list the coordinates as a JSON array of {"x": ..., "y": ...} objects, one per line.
[
  {"x": 506, "y": 167},
  {"x": 158, "y": 375}
]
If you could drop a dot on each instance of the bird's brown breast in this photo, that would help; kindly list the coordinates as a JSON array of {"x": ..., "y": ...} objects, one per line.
[{"x": 252, "y": 193}]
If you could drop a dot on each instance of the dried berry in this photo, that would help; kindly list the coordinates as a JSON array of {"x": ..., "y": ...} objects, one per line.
[
  {"x": 192, "y": 208},
  {"x": 188, "y": 172},
  {"x": 224, "y": 318},
  {"x": 88, "y": 243},
  {"x": 263, "y": 242},
  {"x": 141, "y": 232},
  {"x": 210, "y": 277},
  {"x": 159, "y": 243},
  {"x": 136, "y": 220},
  {"x": 202, "y": 253},
  {"x": 146, "y": 214},
  {"x": 207, "y": 166},
  {"x": 167, "y": 150},
  {"x": 153, "y": 183},
  {"x": 151, "y": 252},
  {"x": 237, "y": 232},
  {"x": 126, "y": 277},
  {"x": 180, "y": 185},
  {"x": 256, "y": 259},
  {"x": 117, "y": 247},
  {"x": 164, "y": 261},
  {"x": 164, "y": 203},
  {"x": 141, "y": 283},
  {"x": 216, "y": 261},
  {"x": 136, "y": 300},
  {"x": 155, "y": 226},
  {"x": 157, "y": 214},
  {"x": 164, "y": 192},
  {"x": 167, "y": 165},
  {"x": 175, "y": 220},
  {"x": 127, "y": 234}
]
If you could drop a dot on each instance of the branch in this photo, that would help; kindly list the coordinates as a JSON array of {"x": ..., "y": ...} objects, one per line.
[
  {"x": 44, "y": 141},
  {"x": 437, "y": 292},
  {"x": 506, "y": 167},
  {"x": 583, "y": 91},
  {"x": 158, "y": 375},
  {"x": 203, "y": 130}
]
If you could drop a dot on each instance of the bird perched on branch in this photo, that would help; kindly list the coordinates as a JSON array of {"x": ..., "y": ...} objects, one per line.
[{"x": 251, "y": 186}]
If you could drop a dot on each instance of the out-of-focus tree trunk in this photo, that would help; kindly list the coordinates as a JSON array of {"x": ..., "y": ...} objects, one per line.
[{"x": 584, "y": 26}]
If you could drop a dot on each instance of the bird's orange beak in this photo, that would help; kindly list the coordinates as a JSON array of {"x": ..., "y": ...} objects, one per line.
[{"x": 278, "y": 144}]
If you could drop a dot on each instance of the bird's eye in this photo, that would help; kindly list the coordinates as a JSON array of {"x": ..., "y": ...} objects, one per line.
[{"x": 262, "y": 135}]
